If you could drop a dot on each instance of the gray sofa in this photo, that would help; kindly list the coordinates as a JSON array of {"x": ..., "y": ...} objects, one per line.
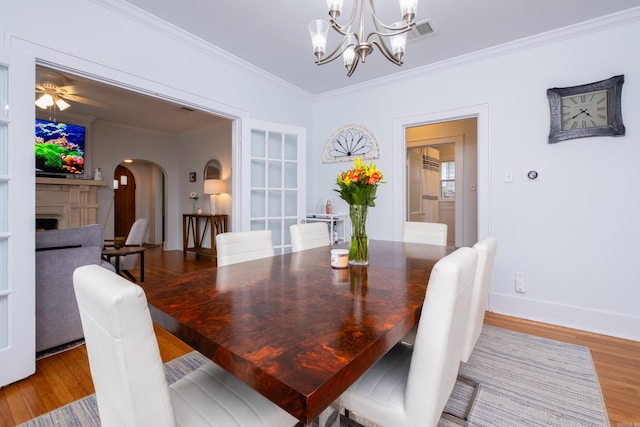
[{"x": 58, "y": 254}]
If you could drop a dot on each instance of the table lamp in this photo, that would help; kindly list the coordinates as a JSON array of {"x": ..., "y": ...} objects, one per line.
[{"x": 213, "y": 187}]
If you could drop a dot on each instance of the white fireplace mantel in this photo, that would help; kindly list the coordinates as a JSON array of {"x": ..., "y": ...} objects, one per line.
[{"x": 73, "y": 202}]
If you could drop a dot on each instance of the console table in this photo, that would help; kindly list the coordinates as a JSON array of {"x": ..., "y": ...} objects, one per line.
[{"x": 195, "y": 228}]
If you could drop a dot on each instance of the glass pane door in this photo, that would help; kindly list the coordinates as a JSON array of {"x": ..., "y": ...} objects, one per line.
[
  {"x": 273, "y": 165},
  {"x": 17, "y": 214}
]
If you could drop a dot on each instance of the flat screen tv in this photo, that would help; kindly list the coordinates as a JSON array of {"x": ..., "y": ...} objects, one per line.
[{"x": 59, "y": 148}]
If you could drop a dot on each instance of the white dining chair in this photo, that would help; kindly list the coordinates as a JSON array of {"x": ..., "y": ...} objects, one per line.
[
  {"x": 128, "y": 374},
  {"x": 480, "y": 296},
  {"x": 431, "y": 233},
  {"x": 308, "y": 236},
  {"x": 486, "y": 249},
  {"x": 136, "y": 236},
  {"x": 240, "y": 246},
  {"x": 410, "y": 386}
]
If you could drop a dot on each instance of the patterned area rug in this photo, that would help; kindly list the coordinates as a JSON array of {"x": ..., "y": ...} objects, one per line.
[{"x": 525, "y": 381}]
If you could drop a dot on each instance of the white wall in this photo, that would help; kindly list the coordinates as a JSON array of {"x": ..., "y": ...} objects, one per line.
[
  {"x": 574, "y": 231},
  {"x": 111, "y": 144}
]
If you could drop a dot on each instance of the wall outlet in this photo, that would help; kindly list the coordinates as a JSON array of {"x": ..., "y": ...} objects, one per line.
[{"x": 520, "y": 282}]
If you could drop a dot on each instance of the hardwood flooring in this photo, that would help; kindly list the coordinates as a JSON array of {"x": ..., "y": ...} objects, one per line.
[{"x": 62, "y": 378}]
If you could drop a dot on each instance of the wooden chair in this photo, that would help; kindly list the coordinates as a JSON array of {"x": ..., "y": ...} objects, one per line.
[{"x": 136, "y": 236}]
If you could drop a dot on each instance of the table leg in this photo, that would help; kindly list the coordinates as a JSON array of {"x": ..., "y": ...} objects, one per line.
[
  {"x": 142, "y": 266},
  {"x": 185, "y": 236},
  {"x": 330, "y": 417}
]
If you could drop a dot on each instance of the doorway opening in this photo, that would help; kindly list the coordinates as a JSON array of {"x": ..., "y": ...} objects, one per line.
[
  {"x": 108, "y": 104},
  {"x": 441, "y": 177}
]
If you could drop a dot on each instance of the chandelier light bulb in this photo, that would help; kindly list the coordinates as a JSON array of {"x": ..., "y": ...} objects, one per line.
[
  {"x": 398, "y": 41},
  {"x": 409, "y": 9},
  {"x": 318, "y": 30},
  {"x": 349, "y": 55},
  {"x": 335, "y": 8}
]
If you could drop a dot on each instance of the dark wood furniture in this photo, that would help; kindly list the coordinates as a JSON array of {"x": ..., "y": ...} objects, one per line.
[
  {"x": 113, "y": 252},
  {"x": 292, "y": 327},
  {"x": 194, "y": 230}
]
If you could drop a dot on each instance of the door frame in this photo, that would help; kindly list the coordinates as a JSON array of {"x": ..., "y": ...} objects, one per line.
[
  {"x": 74, "y": 65},
  {"x": 398, "y": 177}
]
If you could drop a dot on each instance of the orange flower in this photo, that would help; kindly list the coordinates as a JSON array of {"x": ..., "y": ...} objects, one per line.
[{"x": 358, "y": 185}]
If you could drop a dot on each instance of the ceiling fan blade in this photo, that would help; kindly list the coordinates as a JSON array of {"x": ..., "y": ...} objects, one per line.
[{"x": 83, "y": 100}]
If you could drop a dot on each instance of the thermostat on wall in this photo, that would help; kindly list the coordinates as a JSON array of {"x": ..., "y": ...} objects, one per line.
[{"x": 532, "y": 174}]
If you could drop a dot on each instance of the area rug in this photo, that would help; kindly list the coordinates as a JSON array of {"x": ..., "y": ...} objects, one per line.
[{"x": 525, "y": 381}]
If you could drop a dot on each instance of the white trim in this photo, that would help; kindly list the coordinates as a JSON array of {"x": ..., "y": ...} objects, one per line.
[
  {"x": 598, "y": 321},
  {"x": 398, "y": 179}
]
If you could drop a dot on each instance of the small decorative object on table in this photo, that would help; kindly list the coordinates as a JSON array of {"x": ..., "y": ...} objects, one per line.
[
  {"x": 119, "y": 242},
  {"x": 194, "y": 196},
  {"x": 358, "y": 187}
]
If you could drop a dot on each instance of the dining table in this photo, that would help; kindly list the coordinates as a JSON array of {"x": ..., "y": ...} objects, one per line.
[{"x": 292, "y": 327}]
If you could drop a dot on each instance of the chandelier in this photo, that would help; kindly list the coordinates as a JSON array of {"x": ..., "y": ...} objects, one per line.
[{"x": 355, "y": 46}]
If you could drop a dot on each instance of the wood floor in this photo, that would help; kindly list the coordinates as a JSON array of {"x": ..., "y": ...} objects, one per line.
[{"x": 65, "y": 377}]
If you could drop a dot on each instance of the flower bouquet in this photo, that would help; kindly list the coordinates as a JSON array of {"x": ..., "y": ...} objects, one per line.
[{"x": 358, "y": 187}]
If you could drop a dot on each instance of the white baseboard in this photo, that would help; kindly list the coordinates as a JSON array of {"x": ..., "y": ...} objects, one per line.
[{"x": 601, "y": 322}]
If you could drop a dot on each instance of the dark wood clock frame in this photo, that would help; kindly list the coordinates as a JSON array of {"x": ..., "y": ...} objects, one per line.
[{"x": 614, "y": 127}]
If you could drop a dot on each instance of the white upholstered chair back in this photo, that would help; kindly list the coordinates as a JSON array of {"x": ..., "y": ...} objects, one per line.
[
  {"x": 430, "y": 233},
  {"x": 308, "y": 236},
  {"x": 486, "y": 249},
  {"x": 410, "y": 386},
  {"x": 436, "y": 355},
  {"x": 128, "y": 375},
  {"x": 136, "y": 237},
  {"x": 241, "y": 246},
  {"x": 125, "y": 362}
]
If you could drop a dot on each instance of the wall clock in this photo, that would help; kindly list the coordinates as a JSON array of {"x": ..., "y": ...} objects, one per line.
[
  {"x": 349, "y": 142},
  {"x": 587, "y": 110}
]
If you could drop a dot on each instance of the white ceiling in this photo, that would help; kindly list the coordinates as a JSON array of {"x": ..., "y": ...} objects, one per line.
[{"x": 273, "y": 36}]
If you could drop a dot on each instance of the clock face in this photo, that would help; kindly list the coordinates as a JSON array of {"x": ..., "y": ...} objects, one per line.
[{"x": 586, "y": 110}]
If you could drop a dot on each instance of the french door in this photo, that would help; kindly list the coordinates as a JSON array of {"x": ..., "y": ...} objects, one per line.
[
  {"x": 273, "y": 179},
  {"x": 17, "y": 217}
]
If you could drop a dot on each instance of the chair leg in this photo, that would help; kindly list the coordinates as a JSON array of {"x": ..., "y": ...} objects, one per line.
[
  {"x": 129, "y": 275},
  {"x": 465, "y": 418}
]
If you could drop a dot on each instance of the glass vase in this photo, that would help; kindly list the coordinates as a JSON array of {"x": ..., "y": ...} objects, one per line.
[{"x": 359, "y": 250}]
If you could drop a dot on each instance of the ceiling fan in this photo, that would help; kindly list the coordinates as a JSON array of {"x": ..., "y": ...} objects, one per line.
[{"x": 52, "y": 88}]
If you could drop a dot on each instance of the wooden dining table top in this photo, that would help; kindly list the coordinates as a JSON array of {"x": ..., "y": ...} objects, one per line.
[{"x": 292, "y": 327}]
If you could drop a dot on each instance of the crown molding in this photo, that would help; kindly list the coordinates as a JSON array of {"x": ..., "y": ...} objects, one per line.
[
  {"x": 603, "y": 23},
  {"x": 146, "y": 19}
]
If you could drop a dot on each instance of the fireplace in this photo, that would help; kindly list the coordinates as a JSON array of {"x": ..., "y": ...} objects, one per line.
[
  {"x": 46, "y": 224},
  {"x": 68, "y": 203}
]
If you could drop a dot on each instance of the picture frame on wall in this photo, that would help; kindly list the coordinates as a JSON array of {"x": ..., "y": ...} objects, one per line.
[{"x": 192, "y": 177}]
